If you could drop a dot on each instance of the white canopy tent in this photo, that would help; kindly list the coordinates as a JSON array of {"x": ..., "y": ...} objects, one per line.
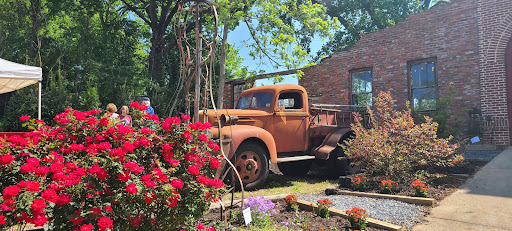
[{"x": 14, "y": 76}]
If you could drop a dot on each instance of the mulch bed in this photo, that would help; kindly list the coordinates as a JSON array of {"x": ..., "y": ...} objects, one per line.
[
  {"x": 292, "y": 220},
  {"x": 441, "y": 187}
]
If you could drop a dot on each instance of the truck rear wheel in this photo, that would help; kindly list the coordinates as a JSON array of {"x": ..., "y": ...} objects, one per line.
[
  {"x": 251, "y": 162},
  {"x": 338, "y": 166},
  {"x": 295, "y": 168}
]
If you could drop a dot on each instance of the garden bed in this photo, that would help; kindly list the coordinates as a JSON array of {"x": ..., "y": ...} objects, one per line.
[
  {"x": 287, "y": 220},
  {"x": 438, "y": 188}
]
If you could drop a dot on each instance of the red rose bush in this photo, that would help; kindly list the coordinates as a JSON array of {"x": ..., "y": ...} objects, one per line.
[{"x": 92, "y": 173}]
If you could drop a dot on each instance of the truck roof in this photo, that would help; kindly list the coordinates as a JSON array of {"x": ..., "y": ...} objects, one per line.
[{"x": 277, "y": 88}]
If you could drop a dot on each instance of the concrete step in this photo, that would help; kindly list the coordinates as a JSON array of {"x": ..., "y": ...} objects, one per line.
[{"x": 481, "y": 147}]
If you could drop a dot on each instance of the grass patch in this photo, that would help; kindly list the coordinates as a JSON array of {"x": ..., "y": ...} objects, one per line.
[{"x": 280, "y": 184}]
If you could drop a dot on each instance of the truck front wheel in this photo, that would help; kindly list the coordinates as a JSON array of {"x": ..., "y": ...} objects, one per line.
[{"x": 251, "y": 162}]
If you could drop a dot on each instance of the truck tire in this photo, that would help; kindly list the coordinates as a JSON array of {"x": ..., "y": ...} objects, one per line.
[
  {"x": 338, "y": 167},
  {"x": 295, "y": 168},
  {"x": 251, "y": 162}
]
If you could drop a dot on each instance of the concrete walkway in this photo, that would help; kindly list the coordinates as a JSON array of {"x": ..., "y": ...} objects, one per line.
[{"x": 483, "y": 203}]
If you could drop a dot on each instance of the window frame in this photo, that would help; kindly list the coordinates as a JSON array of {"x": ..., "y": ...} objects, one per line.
[
  {"x": 351, "y": 80},
  {"x": 412, "y": 63}
]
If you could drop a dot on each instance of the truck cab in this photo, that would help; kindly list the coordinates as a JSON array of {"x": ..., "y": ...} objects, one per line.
[{"x": 276, "y": 123}]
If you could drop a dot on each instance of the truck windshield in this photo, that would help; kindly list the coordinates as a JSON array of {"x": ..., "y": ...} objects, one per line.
[{"x": 256, "y": 100}]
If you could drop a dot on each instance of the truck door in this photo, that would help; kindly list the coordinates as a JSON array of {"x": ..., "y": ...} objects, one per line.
[{"x": 290, "y": 122}]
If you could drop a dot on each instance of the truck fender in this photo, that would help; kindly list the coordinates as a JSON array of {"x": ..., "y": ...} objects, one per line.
[
  {"x": 239, "y": 133},
  {"x": 331, "y": 142}
]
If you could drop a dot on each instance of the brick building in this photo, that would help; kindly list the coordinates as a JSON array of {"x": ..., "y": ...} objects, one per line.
[{"x": 465, "y": 44}]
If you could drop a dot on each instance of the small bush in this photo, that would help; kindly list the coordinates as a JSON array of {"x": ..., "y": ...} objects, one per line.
[
  {"x": 387, "y": 186},
  {"x": 357, "y": 218},
  {"x": 395, "y": 147},
  {"x": 261, "y": 210},
  {"x": 360, "y": 182},
  {"x": 420, "y": 189},
  {"x": 323, "y": 207},
  {"x": 291, "y": 203}
]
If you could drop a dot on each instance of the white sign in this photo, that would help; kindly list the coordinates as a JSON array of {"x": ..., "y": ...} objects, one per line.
[
  {"x": 247, "y": 215},
  {"x": 475, "y": 139}
]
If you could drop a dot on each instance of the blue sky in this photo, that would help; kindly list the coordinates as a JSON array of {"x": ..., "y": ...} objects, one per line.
[{"x": 237, "y": 38}]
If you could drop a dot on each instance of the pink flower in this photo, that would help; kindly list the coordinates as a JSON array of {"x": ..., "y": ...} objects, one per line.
[
  {"x": 49, "y": 194},
  {"x": 214, "y": 163},
  {"x": 24, "y": 118},
  {"x": 194, "y": 170},
  {"x": 2, "y": 219},
  {"x": 200, "y": 226},
  {"x": 131, "y": 188},
  {"x": 108, "y": 208}
]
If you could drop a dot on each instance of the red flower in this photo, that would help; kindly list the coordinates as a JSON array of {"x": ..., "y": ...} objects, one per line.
[
  {"x": 135, "y": 221},
  {"x": 10, "y": 192},
  {"x": 86, "y": 227},
  {"x": 172, "y": 202},
  {"x": 108, "y": 208},
  {"x": 174, "y": 163},
  {"x": 185, "y": 117},
  {"x": 214, "y": 163},
  {"x": 96, "y": 211},
  {"x": 150, "y": 184},
  {"x": 39, "y": 220},
  {"x": 194, "y": 170},
  {"x": 6, "y": 159},
  {"x": 200, "y": 226},
  {"x": 103, "y": 122},
  {"x": 24, "y": 118},
  {"x": 63, "y": 199},
  {"x": 105, "y": 223},
  {"x": 177, "y": 183},
  {"x": 49, "y": 194},
  {"x": 38, "y": 205},
  {"x": 132, "y": 188},
  {"x": 2, "y": 219},
  {"x": 124, "y": 177},
  {"x": 203, "y": 137}
]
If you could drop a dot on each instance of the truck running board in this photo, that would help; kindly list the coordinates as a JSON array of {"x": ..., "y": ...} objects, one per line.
[{"x": 294, "y": 158}]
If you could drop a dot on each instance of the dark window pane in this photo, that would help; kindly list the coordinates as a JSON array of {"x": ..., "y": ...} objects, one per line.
[
  {"x": 368, "y": 81},
  {"x": 431, "y": 74},
  {"x": 415, "y": 76},
  {"x": 424, "y": 99},
  {"x": 260, "y": 100},
  {"x": 423, "y": 75}
]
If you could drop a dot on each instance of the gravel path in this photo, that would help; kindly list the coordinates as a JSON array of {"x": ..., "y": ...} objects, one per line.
[{"x": 392, "y": 211}]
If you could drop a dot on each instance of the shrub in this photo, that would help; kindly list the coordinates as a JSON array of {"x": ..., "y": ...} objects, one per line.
[
  {"x": 91, "y": 173},
  {"x": 357, "y": 218},
  {"x": 360, "y": 182},
  {"x": 420, "y": 189},
  {"x": 387, "y": 186},
  {"x": 291, "y": 203},
  {"x": 395, "y": 147},
  {"x": 323, "y": 207}
]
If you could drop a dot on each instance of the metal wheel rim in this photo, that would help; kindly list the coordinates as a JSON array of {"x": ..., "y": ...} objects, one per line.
[{"x": 248, "y": 165}]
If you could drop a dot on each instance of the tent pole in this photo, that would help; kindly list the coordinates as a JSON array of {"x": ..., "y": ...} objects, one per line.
[{"x": 39, "y": 101}]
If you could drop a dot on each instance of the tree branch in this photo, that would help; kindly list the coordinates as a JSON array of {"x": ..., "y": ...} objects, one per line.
[
  {"x": 253, "y": 35},
  {"x": 134, "y": 10}
]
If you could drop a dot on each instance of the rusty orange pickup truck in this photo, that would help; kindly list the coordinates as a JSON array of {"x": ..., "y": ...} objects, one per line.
[{"x": 276, "y": 123}]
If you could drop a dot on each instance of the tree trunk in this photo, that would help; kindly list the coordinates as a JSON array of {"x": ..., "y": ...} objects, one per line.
[
  {"x": 222, "y": 74},
  {"x": 35, "y": 8}
]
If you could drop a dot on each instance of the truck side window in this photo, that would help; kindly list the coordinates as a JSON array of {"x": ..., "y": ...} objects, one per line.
[
  {"x": 244, "y": 102},
  {"x": 290, "y": 100}
]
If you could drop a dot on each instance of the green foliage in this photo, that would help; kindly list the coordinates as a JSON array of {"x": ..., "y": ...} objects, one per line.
[
  {"x": 323, "y": 208},
  {"x": 395, "y": 147}
]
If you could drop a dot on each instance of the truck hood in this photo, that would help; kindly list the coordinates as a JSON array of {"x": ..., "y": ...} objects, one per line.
[{"x": 245, "y": 117}]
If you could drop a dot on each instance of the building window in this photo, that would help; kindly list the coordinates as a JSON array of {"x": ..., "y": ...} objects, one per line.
[
  {"x": 423, "y": 86},
  {"x": 362, "y": 87}
]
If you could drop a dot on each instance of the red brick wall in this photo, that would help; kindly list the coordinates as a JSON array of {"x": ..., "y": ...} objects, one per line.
[
  {"x": 495, "y": 31},
  {"x": 447, "y": 32}
]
